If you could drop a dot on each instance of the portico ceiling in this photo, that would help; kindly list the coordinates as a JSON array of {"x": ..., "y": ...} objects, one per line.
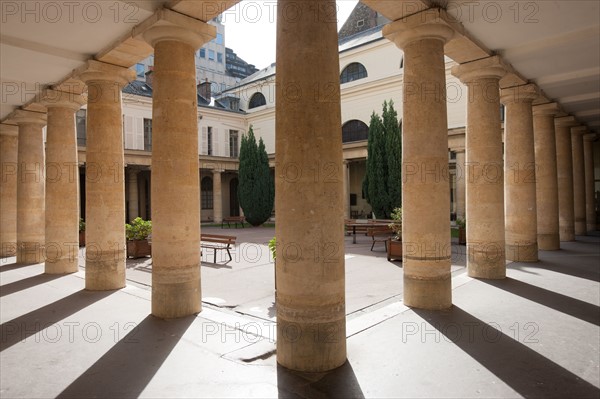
[{"x": 555, "y": 44}]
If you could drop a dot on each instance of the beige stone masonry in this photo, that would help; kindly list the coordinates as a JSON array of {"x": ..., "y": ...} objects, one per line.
[
  {"x": 30, "y": 186},
  {"x": 588, "y": 155},
  {"x": 484, "y": 168},
  {"x": 105, "y": 187},
  {"x": 519, "y": 174},
  {"x": 8, "y": 189},
  {"x": 62, "y": 182},
  {"x": 564, "y": 168},
  {"x": 176, "y": 288},
  {"x": 578, "y": 179},
  {"x": 546, "y": 176},
  {"x": 309, "y": 193},
  {"x": 425, "y": 194},
  {"x": 217, "y": 197}
]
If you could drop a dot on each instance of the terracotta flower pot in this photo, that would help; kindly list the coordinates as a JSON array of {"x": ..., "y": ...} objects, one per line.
[
  {"x": 394, "y": 250},
  {"x": 138, "y": 248}
]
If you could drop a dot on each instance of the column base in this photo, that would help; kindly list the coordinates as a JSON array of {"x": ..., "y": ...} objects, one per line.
[
  {"x": 176, "y": 292},
  {"x": 29, "y": 253},
  {"x": 566, "y": 235},
  {"x": 105, "y": 271},
  {"x": 311, "y": 347},
  {"x": 580, "y": 228},
  {"x": 522, "y": 252},
  {"x": 8, "y": 248},
  {"x": 489, "y": 264},
  {"x": 548, "y": 242},
  {"x": 431, "y": 294}
]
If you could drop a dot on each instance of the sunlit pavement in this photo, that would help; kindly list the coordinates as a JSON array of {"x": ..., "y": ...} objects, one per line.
[{"x": 535, "y": 333}]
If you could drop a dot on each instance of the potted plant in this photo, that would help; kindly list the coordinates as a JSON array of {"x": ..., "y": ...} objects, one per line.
[
  {"x": 394, "y": 248},
  {"x": 462, "y": 231},
  {"x": 137, "y": 234},
  {"x": 273, "y": 248},
  {"x": 81, "y": 232}
]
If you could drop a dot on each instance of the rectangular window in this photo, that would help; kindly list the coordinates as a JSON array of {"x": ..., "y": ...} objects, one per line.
[
  {"x": 220, "y": 57},
  {"x": 147, "y": 134},
  {"x": 211, "y": 55},
  {"x": 209, "y": 141},
  {"x": 502, "y": 112},
  {"x": 139, "y": 70},
  {"x": 223, "y": 86},
  {"x": 80, "y": 122},
  {"x": 202, "y": 53},
  {"x": 233, "y": 144},
  {"x": 219, "y": 38}
]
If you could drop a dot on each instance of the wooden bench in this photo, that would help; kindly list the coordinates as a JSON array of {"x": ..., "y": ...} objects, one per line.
[
  {"x": 379, "y": 234},
  {"x": 233, "y": 219},
  {"x": 217, "y": 242}
]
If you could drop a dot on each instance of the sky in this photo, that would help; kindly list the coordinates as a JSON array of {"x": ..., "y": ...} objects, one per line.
[{"x": 250, "y": 29}]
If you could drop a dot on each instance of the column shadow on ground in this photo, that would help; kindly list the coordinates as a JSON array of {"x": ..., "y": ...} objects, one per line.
[
  {"x": 16, "y": 330},
  {"x": 15, "y": 266},
  {"x": 27, "y": 283},
  {"x": 526, "y": 371},
  {"x": 565, "y": 304},
  {"x": 339, "y": 383},
  {"x": 127, "y": 368},
  {"x": 588, "y": 272}
]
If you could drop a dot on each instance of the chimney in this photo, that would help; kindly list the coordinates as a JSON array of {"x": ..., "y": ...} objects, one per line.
[
  {"x": 149, "y": 78},
  {"x": 204, "y": 90}
]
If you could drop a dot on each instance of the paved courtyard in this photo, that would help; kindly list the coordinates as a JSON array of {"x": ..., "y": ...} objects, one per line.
[{"x": 534, "y": 334}]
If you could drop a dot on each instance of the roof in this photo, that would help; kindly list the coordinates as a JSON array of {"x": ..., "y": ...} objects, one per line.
[{"x": 138, "y": 88}]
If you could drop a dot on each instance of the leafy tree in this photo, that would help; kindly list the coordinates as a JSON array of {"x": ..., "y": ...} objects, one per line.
[
  {"x": 383, "y": 185},
  {"x": 256, "y": 191}
]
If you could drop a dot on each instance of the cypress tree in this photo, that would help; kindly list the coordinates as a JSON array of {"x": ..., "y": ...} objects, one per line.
[
  {"x": 393, "y": 137},
  {"x": 256, "y": 191}
]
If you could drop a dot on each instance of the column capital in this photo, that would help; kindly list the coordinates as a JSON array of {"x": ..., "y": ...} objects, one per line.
[
  {"x": 519, "y": 94},
  {"x": 485, "y": 68},
  {"x": 565, "y": 121},
  {"x": 8, "y": 130},
  {"x": 458, "y": 150},
  {"x": 61, "y": 99},
  {"x": 21, "y": 116},
  {"x": 217, "y": 171},
  {"x": 427, "y": 24},
  {"x": 168, "y": 25},
  {"x": 590, "y": 137},
  {"x": 546, "y": 109},
  {"x": 102, "y": 72},
  {"x": 579, "y": 130}
]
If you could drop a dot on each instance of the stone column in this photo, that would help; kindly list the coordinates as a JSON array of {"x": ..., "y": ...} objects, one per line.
[
  {"x": 461, "y": 191},
  {"x": 133, "y": 191},
  {"x": 578, "y": 179},
  {"x": 346, "y": 170},
  {"x": 564, "y": 167},
  {"x": 62, "y": 182},
  {"x": 484, "y": 174},
  {"x": 105, "y": 175},
  {"x": 588, "y": 155},
  {"x": 546, "y": 176},
  {"x": 519, "y": 174},
  {"x": 425, "y": 193},
  {"x": 175, "y": 167},
  {"x": 217, "y": 197},
  {"x": 30, "y": 187},
  {"x": 8, "y": 189},
  {"x": 309, "y": 190}
]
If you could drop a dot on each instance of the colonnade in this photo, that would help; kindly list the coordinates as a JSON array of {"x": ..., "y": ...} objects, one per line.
[{"x": 508, "y": 216}]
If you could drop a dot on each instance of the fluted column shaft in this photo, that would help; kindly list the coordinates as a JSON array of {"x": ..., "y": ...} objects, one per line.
[
  {"x": 546, "y": 176},
  {"x": 105, "y": 177},
  {"x": 217, "y": 197},
  {"x": 133, "y": 194},
  {"x": 8, "y": 189},
  {"x": 309, "y": 191},
  {"x": 62, "y": 183},
  {"x": 519, "y": 175},
  {"x": 564, "y": 168},
  {"x": 30, "y": 188},
  {"x": 425, "y": 193},
  {"x": 484, "y": 173},
  {"x": 461, "y": 186},
  {"x": 578, "y": 179}
]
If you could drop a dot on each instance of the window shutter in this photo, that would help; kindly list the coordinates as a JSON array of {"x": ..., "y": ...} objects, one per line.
[
  {"x": 225, "y": 142},
  {"x": 139, "y": 133},
  {"x": 204, "y": 144},
  {"x": 215, "y": 143},
  {"x": 129, "y": 132}
]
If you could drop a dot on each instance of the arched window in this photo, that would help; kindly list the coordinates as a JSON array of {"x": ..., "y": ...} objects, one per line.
[
  {"x": 353, "y": 72},
  {"x": 354, "y": 130},
  {"x": 206, "y": 193},
  {"x": 257, "y": 100}
]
